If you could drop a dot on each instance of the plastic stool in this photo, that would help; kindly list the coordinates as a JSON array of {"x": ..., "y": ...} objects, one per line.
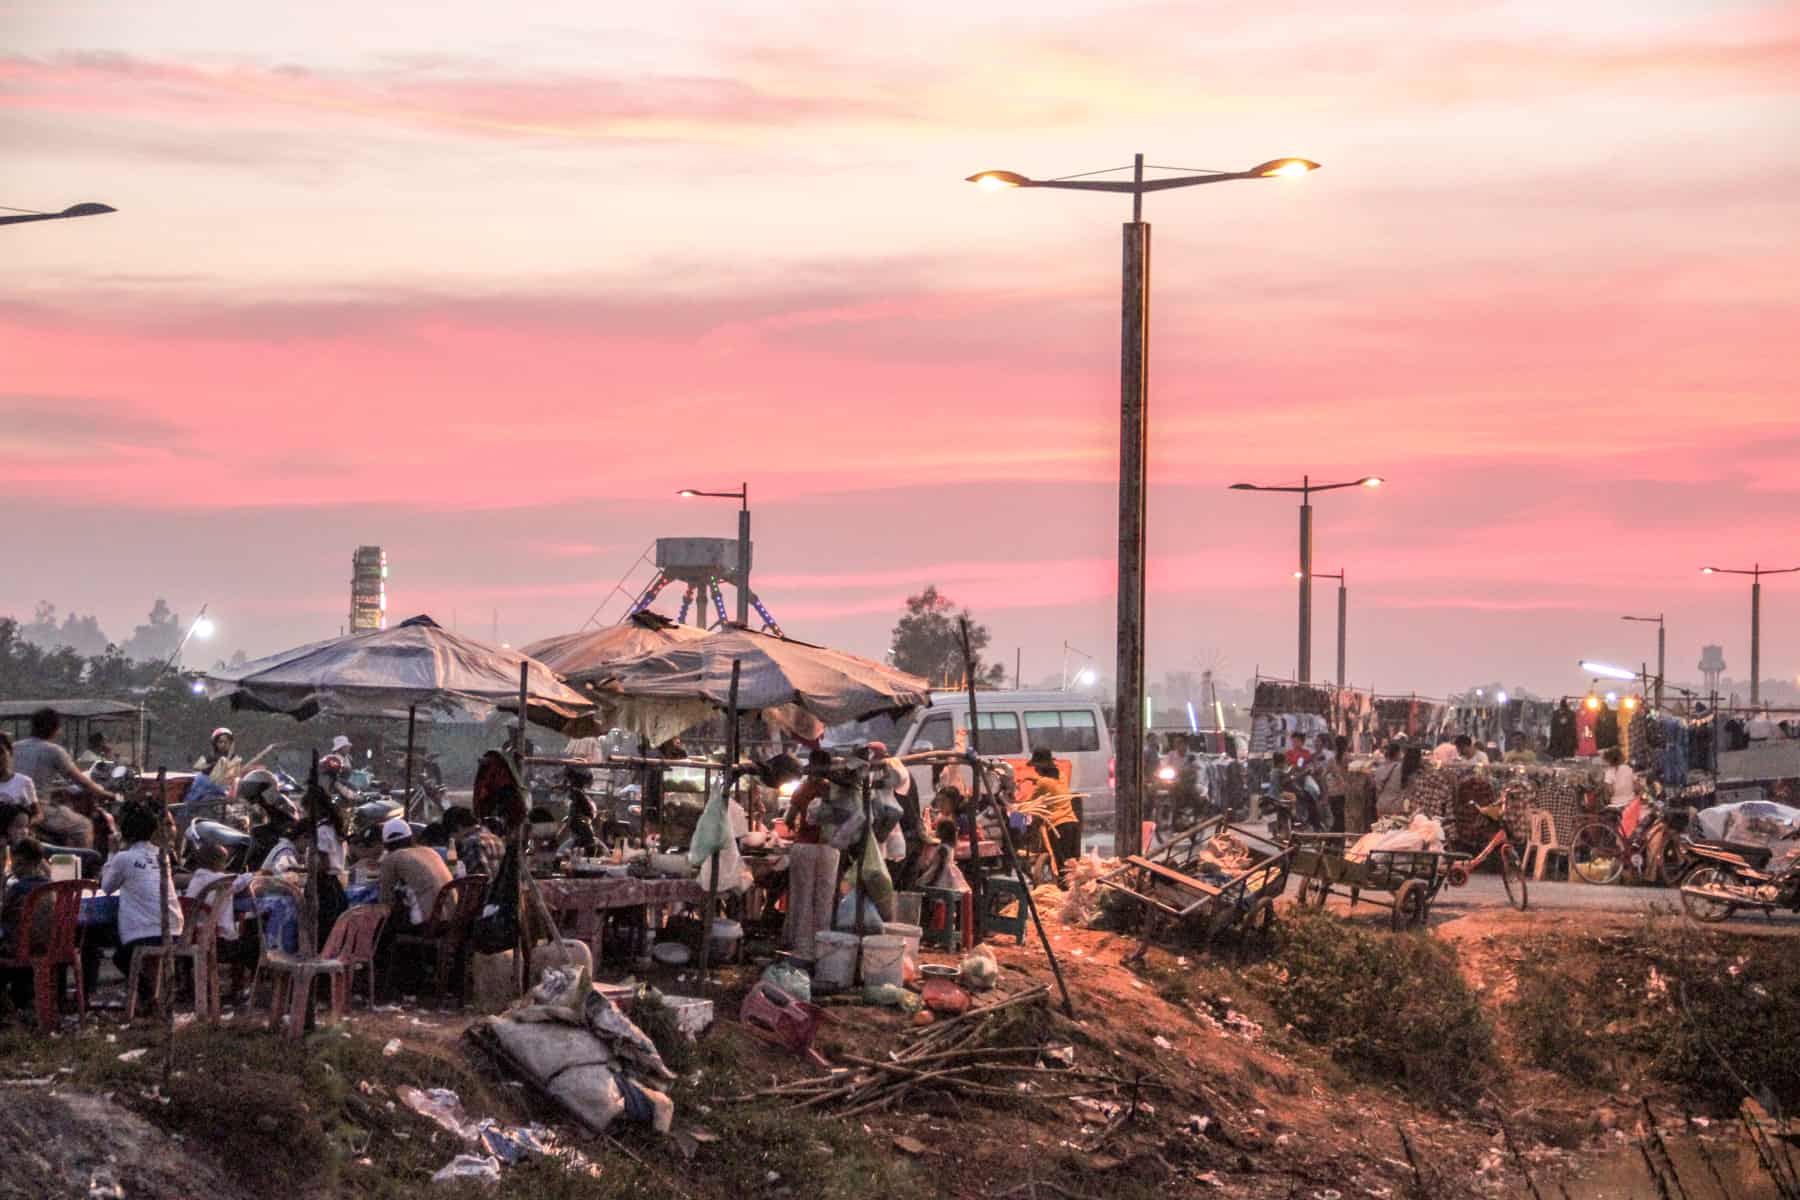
[
  {"x": 948, "y": 918},
  {"x": 1001, "y": 889}
]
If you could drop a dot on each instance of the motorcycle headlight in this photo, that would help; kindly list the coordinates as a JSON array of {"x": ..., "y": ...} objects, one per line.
[{"x": 1166, "y": 774}]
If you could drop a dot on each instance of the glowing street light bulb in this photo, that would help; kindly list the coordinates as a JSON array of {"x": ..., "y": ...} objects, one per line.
[
  {"x": 1373, "y": 481},
  {"x": 1501, "y": 697},
  {"x": 199, "y": 687},
  {"x": 204, "y": 628},
  {"x": 1086, "y": 677},
  {"x": 1285, "y": 168}
]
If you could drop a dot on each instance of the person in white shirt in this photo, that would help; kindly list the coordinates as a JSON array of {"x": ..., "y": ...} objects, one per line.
[
  {"x": 134, "y": 874},
  {"x": 16, "y": 788},
  {"x": 1462, "y": 750}
]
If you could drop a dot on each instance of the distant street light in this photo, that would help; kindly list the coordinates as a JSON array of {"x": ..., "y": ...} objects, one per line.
[
  {"x": 1134, "y": 398},
  {"x": 18, "y": 216},
  {"x": 1661, "y": 650},
  {"x": 1607, "y": 671},
  {"x": 1305, "y": 491},
  {"x": 1343, "y": 615},
  {"x": 1756, "y": 573},
  {"x": 202, "y": 628},
  {"x": 742, "y": 496}
]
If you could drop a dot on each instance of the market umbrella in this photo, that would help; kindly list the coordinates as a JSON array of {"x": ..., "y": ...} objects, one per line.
[
  {"x": 416, "y": 664},
  {"x": 797, "y": 686},
  {"x": 593, "y": 650}
]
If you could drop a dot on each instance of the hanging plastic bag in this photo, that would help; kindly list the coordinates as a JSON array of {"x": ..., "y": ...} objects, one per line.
[
  {"x": 872, "y": 876},
  {"x": 713, "y": 833}
]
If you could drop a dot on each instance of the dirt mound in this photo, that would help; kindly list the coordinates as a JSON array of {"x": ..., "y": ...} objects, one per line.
[{"x": 85, "y": 1147}]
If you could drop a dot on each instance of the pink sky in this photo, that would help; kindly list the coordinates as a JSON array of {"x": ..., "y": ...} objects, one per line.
[{"x": 487, "y": 293}]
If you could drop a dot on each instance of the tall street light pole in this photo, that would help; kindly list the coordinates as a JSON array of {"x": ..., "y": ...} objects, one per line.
[
  {"x": 1343, "y": 611},
  {"x": 1305, "y": 490},
  {"x": 1756, "y": 572},
  {"x": 1134, "y": 399},
  {"x": 1661, "y": 650},
  {"x": 19, "y": 216},
  {"x": 742, "y": 496}
]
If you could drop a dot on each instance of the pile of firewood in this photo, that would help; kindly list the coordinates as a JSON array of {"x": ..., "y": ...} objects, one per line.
[{"x": 955, "y": 1056}]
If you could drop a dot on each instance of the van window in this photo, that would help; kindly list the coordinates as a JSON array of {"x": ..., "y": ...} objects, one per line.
[
  {"x": 1068, "y": 731},
  {"x": 936, "y": 730},
  {"x": 999, "y": 733}
]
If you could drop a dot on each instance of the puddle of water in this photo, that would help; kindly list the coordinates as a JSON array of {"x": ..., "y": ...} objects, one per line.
[{"x": 1718, "y": 1169}]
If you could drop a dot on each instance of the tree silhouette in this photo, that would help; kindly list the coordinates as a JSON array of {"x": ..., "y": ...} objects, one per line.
[{"x": 928, "y": 642}]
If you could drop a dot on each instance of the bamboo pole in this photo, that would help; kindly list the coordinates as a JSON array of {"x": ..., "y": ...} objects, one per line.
[{"x": 731, "y": 754}]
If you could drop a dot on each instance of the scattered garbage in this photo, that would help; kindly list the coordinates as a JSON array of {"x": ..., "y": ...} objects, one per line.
[
  {"x": 131, "y": 1056},
  {"x": 391, "y": 1049},
  {"x": 468, "y": 1166},
  {"x": 980, "y": 970},
  {"x": 789, "y": 978}
]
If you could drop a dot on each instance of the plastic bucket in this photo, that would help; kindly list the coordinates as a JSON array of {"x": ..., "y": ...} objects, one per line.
[
  {"x": 836, "y": 964},
  {"x": 907, "y": 907},
  {"x": 64, "y": 867},
  {"x": 910, "y": 934},
  {"x": 727, "y": 936},
  {"x": 882, "y": 957}
]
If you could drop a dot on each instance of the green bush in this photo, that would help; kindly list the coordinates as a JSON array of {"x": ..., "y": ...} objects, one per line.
[
  {"x": 1385, "y": 1006},
  {"x": 1730, "y": 1022}
]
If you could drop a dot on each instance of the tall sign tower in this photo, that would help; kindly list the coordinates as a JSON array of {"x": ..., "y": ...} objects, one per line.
[{"x": 368, "y": 589}]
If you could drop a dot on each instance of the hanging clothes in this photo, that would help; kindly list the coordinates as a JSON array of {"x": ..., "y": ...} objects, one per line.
[
  {"x": 1587, "y": 732},
  {"x": 1562, "y": 731},
  {"x": 1606, "y": 728}
]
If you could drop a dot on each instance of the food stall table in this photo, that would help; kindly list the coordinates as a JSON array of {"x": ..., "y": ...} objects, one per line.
[{"x": 578, "y": 903}]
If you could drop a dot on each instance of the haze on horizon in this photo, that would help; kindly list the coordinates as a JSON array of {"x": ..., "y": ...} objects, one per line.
[{"x": 486, "y": 290}]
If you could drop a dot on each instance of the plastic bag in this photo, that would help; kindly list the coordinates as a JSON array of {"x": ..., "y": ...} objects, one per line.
[
  {"x": 846, "y": 914},
  {"x": 790, "y": 979},
  {"x": 713, "y": 833},
  {"x": 980, "y": 970}
]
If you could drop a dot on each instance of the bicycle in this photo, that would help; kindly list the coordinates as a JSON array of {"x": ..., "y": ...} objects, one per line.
[
  {"x": 1512, "y": 859},
  {"x": 1600, "y": 854}
]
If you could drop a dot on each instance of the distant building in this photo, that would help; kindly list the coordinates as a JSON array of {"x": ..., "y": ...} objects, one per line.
[{"x": 368, "y": 589}]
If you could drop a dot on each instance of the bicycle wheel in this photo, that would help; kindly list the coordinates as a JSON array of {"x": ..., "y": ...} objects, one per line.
[
  {"x": 1512, "y": 874},
  {"x": 1597, "y": 854},
  {"x": 1314, "y": 890},
  {"x": 1703, "y": 907}
]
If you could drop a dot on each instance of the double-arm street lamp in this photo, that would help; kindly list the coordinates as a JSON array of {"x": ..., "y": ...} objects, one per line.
[
  {"x": 21, "y": 215},
  {"x": 1134, "y": 394},
  {"x": 1305, "y": 490},
  {"x": 742, "y": 496},
  {"x": 1343, "y": 611},
  {"x": 1661, "y": 650},
  {"x": 1756, "y": 573}
]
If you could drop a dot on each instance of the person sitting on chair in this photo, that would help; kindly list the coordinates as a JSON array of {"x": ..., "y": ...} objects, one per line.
[
  {"x": 409, "y": 873},
  {"x": 135, "y": 875}
]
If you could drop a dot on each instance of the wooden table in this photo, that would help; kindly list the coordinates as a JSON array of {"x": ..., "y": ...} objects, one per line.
[{"x": 580, "y": 902}]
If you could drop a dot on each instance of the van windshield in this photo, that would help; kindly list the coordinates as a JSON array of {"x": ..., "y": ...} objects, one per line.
[{"x": 873, "y": 729}]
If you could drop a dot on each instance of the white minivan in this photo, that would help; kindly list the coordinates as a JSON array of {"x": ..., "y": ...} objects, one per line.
[{"x": 1013, "y": 724}]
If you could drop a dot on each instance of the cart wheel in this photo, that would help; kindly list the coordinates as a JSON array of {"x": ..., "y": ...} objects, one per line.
[
  {"x": 1411, "y": 905},
  {"x": 1512, "y": 875},
  {"x": 1314, "y": 890},
  {"x": 1458, "y": 874}
]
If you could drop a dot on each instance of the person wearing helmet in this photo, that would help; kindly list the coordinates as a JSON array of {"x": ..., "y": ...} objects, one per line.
[
  {"x": 410, "y": 876},
  {"x": 262, "y": 791}
]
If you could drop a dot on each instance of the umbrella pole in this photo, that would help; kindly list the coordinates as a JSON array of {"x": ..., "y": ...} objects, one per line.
[
  {"x": 1005, "y": 835},
  {"x": 412, "y": 721},
  {"x": 522, "y": 840},
  {"x": 731, "y": 757}
]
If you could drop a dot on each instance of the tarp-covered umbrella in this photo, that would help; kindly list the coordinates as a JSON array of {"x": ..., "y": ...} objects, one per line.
[
  {"x": 600, "y": 649},
  {"x": 794, "y": 685}
]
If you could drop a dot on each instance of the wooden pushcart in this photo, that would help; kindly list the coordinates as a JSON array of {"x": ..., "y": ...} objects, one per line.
[
  {"x": 1411, "y": 878},
  {"x": 1178, "y": 884}
]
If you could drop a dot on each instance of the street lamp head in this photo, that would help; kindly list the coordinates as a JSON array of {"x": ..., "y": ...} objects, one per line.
[
  {"x": 1086, "y": 677},
  {"x": 1243, "y": 487},
  {"x": 1709, "y": 570},
  {"x": 1372, "y": 481},
  {"x": 1283, "y": 168},
  {"x": 993, "y": 181},
  {"x": 203, "y": 628},
  {"x": 87, "y": 210},
  {"x": 1299, "y": 575},
  {"x": 688, "y": 492}
]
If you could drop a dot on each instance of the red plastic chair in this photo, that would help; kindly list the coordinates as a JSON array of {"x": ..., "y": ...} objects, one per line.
[
  {"x": 352, "y": 942},
  {"x": 446, "y": 933},
  {"x": 45, "y": 953},
  {"x": 198, "y": 944}
]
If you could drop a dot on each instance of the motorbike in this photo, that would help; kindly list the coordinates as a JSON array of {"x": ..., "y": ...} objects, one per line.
[{"x": 1727, "y": 876}]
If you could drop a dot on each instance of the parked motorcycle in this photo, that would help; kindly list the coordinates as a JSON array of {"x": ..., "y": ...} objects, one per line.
[{"x": 1728, "y": 876}]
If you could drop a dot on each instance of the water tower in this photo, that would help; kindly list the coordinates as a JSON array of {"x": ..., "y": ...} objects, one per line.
[
  {"x": 703, "y": 565},
  {"x": 1712, "y": 665}
]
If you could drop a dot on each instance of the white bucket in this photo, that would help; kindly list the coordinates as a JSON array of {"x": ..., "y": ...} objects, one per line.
[
  {"x": 910, "y": 934},
  {"x": 882, "y": 955},
  {"x": 836, "y": 964},
  {"x": 64, "y": 867}
]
